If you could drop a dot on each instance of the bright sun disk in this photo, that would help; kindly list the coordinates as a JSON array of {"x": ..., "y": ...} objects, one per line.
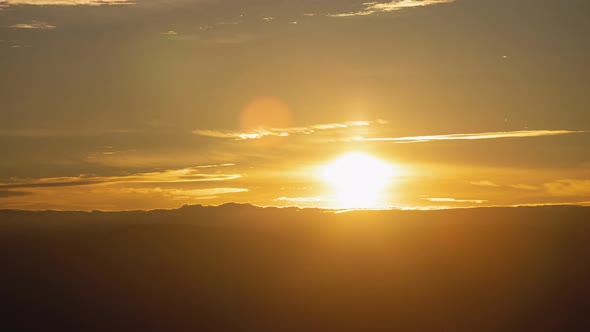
[{"x": 358, "y": 180}]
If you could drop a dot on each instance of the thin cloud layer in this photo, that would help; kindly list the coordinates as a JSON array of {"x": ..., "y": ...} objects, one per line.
[
  {"x": 35, "y": 25},
  {"x": 485, "y": 183},
  {"x": 371, "y": 8},
  {"x": 182, "y": 194},
  {"x": 301, "y": 199},
  {"x": 158, "y": 189},
  {"x": 39, "y": 133},
  {"x": 569, "y": 187},
  {"x": 185, "y": 175},
  {"x": 476, "y": 136},
  {"x": 282, "y": 132},
  {"x": 453, "y": 200},
  {"x": 6, "y": 3},
  {"x": 561, "y": 187}
]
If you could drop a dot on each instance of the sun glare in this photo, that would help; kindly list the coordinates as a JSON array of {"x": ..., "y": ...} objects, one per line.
[{"x": 358, "y": 180}]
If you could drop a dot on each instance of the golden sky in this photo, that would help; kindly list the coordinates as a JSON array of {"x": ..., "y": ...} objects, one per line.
[{"x": 145, "y": 104}]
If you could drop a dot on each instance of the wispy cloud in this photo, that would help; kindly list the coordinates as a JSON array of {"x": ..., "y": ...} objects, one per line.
[
  {"x": 50, "y": 183},
  {"x": 576, "y": 203},
  {"x": 525, "y": 187},
  {"x": 484, "y": 183},
  {"x": 453, "y": 200},
  {"x": 370, "y": 8},
  {"x": 178, "y": 176},
  {"x": 216, "y": 166},
  {"x": 229, "y": 23},
  {"x": 476, "y": 136},
  {"x": 183, "y": 194},
  {"x": 37, "y": 25},
  {"x": 301, "y": 199},
  {"x": 282, "y": 132},
  {"x": 568, "y": 187},
  {"x": 15, "y": 44},
  {"x": 40, "y": 133},
  {"x": 563, "y": 187},
  {"x": 158, "y": 189},
  {"x": 6, "y": 3}
]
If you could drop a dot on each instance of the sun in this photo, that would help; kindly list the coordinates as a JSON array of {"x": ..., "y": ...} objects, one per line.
[{"x": 358, "y": 180}]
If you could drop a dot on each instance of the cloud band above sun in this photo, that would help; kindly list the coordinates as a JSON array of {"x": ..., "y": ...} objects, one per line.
[
  {"x": 370, "y": 8},
  {"x": 283, "y": 132}
]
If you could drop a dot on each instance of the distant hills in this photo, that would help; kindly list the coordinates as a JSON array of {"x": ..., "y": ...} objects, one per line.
[{"x": 229, "y": 211}]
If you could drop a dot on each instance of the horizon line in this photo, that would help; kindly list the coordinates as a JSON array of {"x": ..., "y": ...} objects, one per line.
[{"x": 335, "y": 210}]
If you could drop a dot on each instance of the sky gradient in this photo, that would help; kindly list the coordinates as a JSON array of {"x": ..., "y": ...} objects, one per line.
[{"x": 120, "y": 105}]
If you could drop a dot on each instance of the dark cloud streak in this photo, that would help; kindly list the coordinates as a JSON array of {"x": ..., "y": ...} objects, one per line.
[
  {"x": 49, "y": 184},
  {"x": 10, "y": 193}
]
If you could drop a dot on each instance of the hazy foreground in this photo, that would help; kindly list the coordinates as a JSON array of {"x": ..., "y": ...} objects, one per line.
[{"x": 241, "y": 268}]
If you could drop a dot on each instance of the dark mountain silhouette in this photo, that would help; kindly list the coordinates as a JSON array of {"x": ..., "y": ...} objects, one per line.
[{"x": 244, "y": 268}]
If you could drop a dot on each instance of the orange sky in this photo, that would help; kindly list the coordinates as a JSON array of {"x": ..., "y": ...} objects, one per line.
[{"x": 119, "y": 105}]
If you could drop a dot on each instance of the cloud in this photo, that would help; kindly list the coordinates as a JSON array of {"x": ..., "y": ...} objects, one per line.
[
  {"x": 301, "y": 199},
  {"x": 6, "y": 3},
  {"x": 12, "y": 44},
  {"x": 370, "y": 8},
  {"x": 568, "y": 187},
  {"x": 229, "y": 23},
  {"x": 216, "y": 166},
  {"x": 50, "y": 183},
  {"x": 524, "y": 187},
  {"x": 158, "y": 189},
  {"x": 484, "y": 183},
  {"x": 169, "y": 33},
  {"x": 476, "y": 136},
  {"x": 282, "y": 132},
  {"x": 183, "y": 194},
  {"x": 40, "y": 133},
  {"x": 37, "y": 25},
  {"x": 178, "y": 176},
  {"x": 453, "y": 200},
  {"x": 581, "y": 203}
]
